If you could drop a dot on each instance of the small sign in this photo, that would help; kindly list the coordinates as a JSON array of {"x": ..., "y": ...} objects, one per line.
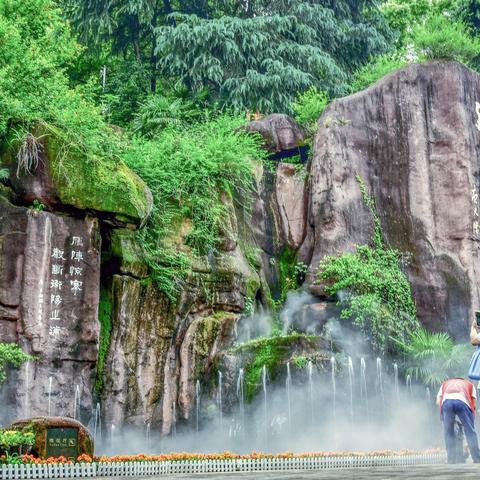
[{"x": 62, "y": 442}]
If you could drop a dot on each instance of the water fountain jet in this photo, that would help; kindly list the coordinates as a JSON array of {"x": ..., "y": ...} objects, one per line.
[
  {"x": 219, "y": 399},
  {"x": 50, "y": 380},
  {"x": 241, "y": 397},
  {"x": 197, "y": 405},
  {"x": 288, "y": 385},
  {"x": 310, "y": 389}
]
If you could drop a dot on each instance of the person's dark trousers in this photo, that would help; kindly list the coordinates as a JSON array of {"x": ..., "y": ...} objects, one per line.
[{"x": 450, "y": 409}]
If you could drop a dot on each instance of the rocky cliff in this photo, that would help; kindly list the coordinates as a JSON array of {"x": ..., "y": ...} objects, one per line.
[
  {"x": 76, "y": 292},
  {"x": 76, "y": 269},
  {"x": 414, "y": 138}
]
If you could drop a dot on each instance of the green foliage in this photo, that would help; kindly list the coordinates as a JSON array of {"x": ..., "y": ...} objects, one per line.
[
  {"x": 252, "y": 256},
  {"x": 15, "y": 438},
  {"x": 308, "y": 107},
  {"x": 269, "y": 352},
  {"x": 374, "y": 293},
  {"x": 175, "y": 109},
  {"x": 445, "y": 39},
  {"x": 4, "y": 174},
  {"x": 11, "y": 354},
  {"x": 188, "y": 171},
  {"x": 300, "y": 361},
  {"x": 434, "y": 357},
  {"x": 259, "y": 58},
  {"x": 401, "y": 15},
  {"x": 37, "y": 205},
  {"x": 376, "y": 69},
  {"x": 286, "y": 269},
  {"x": 105, "y": 320},
  {"x": 36, "y": 101}
]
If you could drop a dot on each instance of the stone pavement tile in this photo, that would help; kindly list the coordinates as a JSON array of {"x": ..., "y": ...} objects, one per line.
[{"x": 436, "y": 472}]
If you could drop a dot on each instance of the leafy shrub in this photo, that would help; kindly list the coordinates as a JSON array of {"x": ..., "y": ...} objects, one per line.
[
  {"x": 444, "y": 39},
  {"x": 433, "y": 357},
  {"x": 36, "y": 48},
  {"x": 174, "y": 109},
  {"x": 377, "y": 296},
  {"x": 375, "y": 70},
  {"x": 11, "y": 439},
  {"x": 188, "y": 171},
  {"x": 11, "y": 354},
  {"x": 308, "y": 107}
]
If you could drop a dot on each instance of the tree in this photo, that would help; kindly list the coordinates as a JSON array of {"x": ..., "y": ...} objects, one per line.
[{"x": 261, "y": 54}]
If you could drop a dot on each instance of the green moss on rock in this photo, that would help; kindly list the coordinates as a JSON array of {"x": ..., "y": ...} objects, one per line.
[
  {"x": 105, "y": 320},
  {"x": 271, "y": 352},
  {"x": 69, "y": 176},
  {"x": 126, "y": 248},
  {"x": 97, "y": 184}
]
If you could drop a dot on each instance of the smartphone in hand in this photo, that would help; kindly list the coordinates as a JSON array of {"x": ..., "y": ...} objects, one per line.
[{"x": 477, "y": 317}]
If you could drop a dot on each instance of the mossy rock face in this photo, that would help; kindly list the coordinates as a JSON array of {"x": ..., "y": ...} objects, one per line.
[
  {"x": 40, "y": 425},
  {"x": 125, "y": 248},
  {"x": 70, "y": 178}
]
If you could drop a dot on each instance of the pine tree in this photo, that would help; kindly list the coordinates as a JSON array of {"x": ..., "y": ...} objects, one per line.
[
  {"x": 253, "y": 54},
  {"x": 263, "y": 52}
]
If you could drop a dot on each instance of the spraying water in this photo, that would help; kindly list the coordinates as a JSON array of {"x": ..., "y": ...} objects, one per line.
[
  {"x": 26, "y": 406},
  {"x": 174, "y": 419},
  {"x": 197, "y": 405},
  {"x": 286, "y": 322},
  {"x": 408, "y": 382},
  {"x": 76, "y": 406},
  {"x": 50, "y": 380},
  {"x": 241, "y": 398},
  {"x": 334, "y": 392},
  {"x": 112, "y": 434},
  {"x": 288, "y": 385},
  {"x": 380, "y": 383},
  {"x": 265, "y": 406},
  {"x": 363, "y": 386},
  {"x": 219, "y": 399},
  {"x": 97, "y": 425},
  {"x": 147, "y": 434},
  {"x": 350, "y": 381},
  {"x": 310, "y": 389},
  {"x": 396, "y": 386}
]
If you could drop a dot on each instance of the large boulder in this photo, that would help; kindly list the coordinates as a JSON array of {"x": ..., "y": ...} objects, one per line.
[
  {"x": 61, "y": 178},
  {"x": 58, "y": 435},
  {"x": 279, "y": 132},
  {"x": 49, "y": 286},
  {"x": 413, "y": 138}
]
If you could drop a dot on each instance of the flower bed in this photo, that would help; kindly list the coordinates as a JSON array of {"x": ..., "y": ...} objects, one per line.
[{"x": 30, "y": 459}]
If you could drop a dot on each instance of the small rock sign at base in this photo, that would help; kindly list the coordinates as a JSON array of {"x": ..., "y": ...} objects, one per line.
[{"x": 57, "y": 437}]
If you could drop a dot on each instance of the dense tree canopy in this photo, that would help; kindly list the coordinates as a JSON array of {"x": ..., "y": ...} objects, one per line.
[{"x": 250, "y": 55}]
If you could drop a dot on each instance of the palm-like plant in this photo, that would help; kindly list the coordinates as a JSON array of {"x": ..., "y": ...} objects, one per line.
[{"x": 433, "y": 357}]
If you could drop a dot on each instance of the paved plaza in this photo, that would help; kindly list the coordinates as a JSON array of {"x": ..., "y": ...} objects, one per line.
[{"x": 437, "y": 472}]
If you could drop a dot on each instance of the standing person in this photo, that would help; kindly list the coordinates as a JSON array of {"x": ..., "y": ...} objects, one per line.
[
  {"x": 456, "y": 398},
  {"x": 474, "y": 335}
]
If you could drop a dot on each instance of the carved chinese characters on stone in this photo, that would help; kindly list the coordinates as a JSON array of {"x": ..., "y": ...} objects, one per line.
[
  {"x": 475, "y": 213},
  {"x": 66, "y": 275},
  {"x": 63, "y": 270},
  {"x": 57, "y": 263}
]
